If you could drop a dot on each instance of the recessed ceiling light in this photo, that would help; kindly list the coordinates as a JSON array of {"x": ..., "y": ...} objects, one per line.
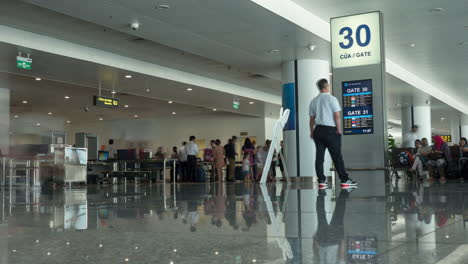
[
  {"x": 170, "y": 102},
  {"x": 174, "y": 113},
  {"x": 311, "y": 47},
  {"x": 148, "y": 90},
  {"x": 436, "y": 10},
  {"x": 398, "y": 105},
  {"x": 113, "y": 92},
  {"x": 25, "y": 102},
  {"x": 126, "y": 106},
  {"x": 50, "y": 113},
  {"x": 272, "y": 51},
  {"x": 163, "y": 7},
  {"x": 412, "y": 45},
  {"x": 67, "y": 97},
  {"x": 128, "y": 76},
  {"x": 189, "y": 89},
  {"x": 442, "y": 118},
  {"x": 68, "y": 121},
  {"x": 16, "y": 116},
  {"x": 38, "y": 124},
  {"x": 214, "y": 109},
  {"x": 100, "y": 119},
  {"x": 135, "y": 116},
  {"x": 251, "y": 102},
  {"x": 38, "y": 79}
]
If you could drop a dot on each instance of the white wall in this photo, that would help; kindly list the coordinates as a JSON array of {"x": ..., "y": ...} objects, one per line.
[{"x": 171, "y": 131}]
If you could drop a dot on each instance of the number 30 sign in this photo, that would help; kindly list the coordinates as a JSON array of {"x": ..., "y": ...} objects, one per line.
[{"x": 356, "y": 40}]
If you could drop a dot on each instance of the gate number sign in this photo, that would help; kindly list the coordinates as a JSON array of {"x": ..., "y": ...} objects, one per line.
[{"x": 356, "y": 40}]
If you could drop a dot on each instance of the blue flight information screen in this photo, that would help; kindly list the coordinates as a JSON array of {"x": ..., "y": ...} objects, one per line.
[{"x": 358, "y": 116}]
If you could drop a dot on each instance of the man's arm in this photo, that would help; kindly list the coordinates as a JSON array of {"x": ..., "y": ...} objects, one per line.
[
  {"x": 312, "y": 124},
  {"x": 336, "y": 117}
]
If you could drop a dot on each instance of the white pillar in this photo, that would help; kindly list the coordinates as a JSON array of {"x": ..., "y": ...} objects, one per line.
[
  {"x": 422, "y": 119},
  {"x": 455, "y": 129},
  {"x": 4, "y": 114},
  {"x": 464, "y": 126},
  {"x": 299, "y": 88},
  {"x": 406, "y": 124}
]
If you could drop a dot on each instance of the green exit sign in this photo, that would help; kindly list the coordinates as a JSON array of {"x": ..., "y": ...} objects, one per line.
[
  {"x": 236, "y": 104},
  {"x": 23, "y": 63}
]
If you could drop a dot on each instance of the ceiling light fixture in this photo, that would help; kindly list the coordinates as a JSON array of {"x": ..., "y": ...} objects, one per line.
[
  {"x": 311, "y": 47},
  {"x": 148, "y": 90},
  {"x": 16, "y": 116},
  {"x": 128, "y": 76},
  {"x": 170, "y": 102},
  {"x": 38, "y": 79},
  {"x": 135, "y": 116},
  {"x": 25, "y": 102},
  {"x": 272, "y": 51},
  {"x": 436, "y": 10},
  {"x": 189, "y": 89},
  {"x": 50, "y": 113},
  {"x": 38, "y": 124},
  {"x": 174, "y": 113},
  {"x": 113, "y": 92},
  {"x": 100, "y": 119},
  {"x": 163, "y": 7},
  {"x": 251, "y": 103},
  {"x": 412, "y": 45},
  {"x": 214, "y": 109},
  {"x": 126, "y": 106},
  {"x": 67, "y": 97},
  {"x": 68, "y": 121}
]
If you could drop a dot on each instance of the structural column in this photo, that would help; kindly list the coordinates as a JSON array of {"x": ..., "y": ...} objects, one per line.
[
  {"x": 406, "y": 125},
  {"x": 455, "y": 129},
  {"x": 422, "y": 119},
  {"x": 299, "y": 88},
  {"x": 464, "y": 126},
  {"x": 4, "y": 114}
]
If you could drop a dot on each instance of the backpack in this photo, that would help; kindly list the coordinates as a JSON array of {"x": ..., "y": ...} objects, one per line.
[{"x": 405, "y": 158}]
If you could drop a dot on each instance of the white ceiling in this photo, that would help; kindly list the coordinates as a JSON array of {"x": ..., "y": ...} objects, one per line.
[
  {"x": 437, "y": 55},
  {"x": 230, "y": 39},
  {"x": 85, "y": 76}
]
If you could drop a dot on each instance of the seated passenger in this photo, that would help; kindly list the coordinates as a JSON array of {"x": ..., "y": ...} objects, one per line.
[
  {"x": 439, "y": 158},
  {"x": 421, "y": 157},
  {"x": 160, "y": 155},
  {"x": 463, "y": 155}
]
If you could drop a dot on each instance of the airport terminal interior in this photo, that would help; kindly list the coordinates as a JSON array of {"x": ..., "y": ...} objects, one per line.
[{"x": 179, "y": 131}]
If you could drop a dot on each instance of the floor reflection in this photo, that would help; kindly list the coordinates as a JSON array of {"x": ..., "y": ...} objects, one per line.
[{"x": 235, "y": 223}]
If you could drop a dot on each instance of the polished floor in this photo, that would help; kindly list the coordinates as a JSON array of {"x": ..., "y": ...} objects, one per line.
[{"x": 401, "y": 222}]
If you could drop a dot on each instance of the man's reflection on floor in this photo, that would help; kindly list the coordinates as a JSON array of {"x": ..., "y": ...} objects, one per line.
[{"x": 329, "y": 241}]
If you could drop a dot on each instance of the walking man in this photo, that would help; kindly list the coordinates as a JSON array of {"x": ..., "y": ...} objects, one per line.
[{"x": 325, "y": 129}]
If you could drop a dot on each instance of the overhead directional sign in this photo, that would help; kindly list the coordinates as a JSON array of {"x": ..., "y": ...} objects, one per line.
[
  {"x": 106, "y": 101},
  {"x": 356, "y": 40},
  {"x": 23, "y": 63}
]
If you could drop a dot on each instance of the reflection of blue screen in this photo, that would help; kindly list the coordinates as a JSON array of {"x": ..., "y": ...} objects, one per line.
[
  {"x": 103, "y": 155},
  {"x": 358, "y": 113}
]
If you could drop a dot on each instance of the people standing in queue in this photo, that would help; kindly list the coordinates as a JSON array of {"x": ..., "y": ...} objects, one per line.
[
  {"x": 219, "y": 160},
  {"x": 230, "y": 150},
  {"x": 192, "y": 151},
  {"x": 325, "y": 130},
  {"x": 183, "y": 161}
]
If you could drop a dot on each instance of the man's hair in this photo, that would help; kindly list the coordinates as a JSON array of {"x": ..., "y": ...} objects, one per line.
[
  {"x": 321, "y": 84},
  {"x": 192, "y": 138}
]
